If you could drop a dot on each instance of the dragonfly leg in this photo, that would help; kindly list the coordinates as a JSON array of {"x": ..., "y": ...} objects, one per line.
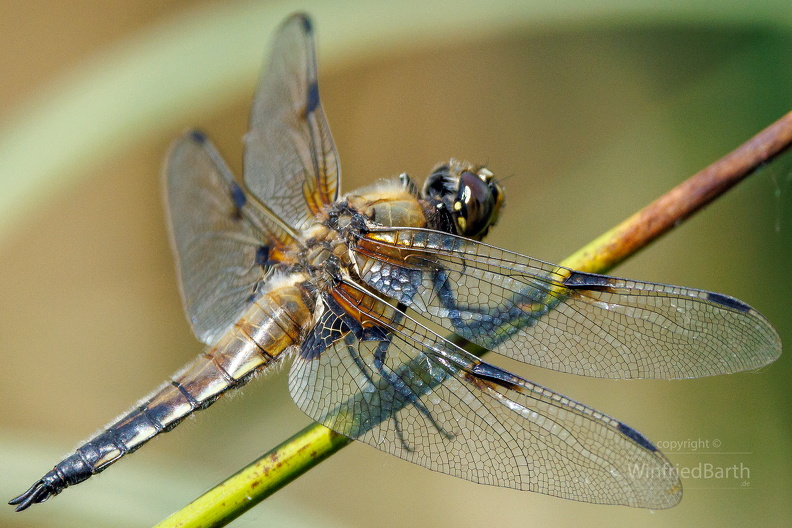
[
  {"x": 397, "y": 393},
  {"x": 349, "y": 341},
  {"x": 475, "y": 323},
  {"x": 404, "y": 389},
  {"x": 353, "y": 353}
]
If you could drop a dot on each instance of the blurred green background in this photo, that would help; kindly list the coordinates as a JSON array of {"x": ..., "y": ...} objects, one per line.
[{"x": 590, "y": 111}]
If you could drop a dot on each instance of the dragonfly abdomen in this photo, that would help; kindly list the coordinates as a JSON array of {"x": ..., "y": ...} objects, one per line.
[{"x": 273, "y": 322}]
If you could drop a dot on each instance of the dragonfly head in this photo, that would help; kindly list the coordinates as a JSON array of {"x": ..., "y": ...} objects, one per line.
[{"x": 467, "y": 195}]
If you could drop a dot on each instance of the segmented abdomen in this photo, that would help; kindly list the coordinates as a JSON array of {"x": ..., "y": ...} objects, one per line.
[{"x": 273, "y": 323}]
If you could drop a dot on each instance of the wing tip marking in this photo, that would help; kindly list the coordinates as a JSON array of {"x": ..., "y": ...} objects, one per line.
[
  {"x": 637, "y": 437},
  {"x": 197, "y": 136},
  {"x": 583, "y": 280},
  {"x": 307, "y": 25},
  {"x": 729, "y": 302}
]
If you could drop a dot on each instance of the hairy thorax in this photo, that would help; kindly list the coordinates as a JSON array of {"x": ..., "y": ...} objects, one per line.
[{"x": 327, "y": 256}]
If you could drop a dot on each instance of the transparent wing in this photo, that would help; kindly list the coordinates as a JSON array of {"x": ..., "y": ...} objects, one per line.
[
  {"x": 419, "y": 397},
  {"x": 291, "y": 163},
  {"x": 557, "y": 318},
  {"x": 218, "y": 250}
]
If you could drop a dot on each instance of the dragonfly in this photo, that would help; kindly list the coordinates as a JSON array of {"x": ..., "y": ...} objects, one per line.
[{"x": 376, "y": 295}]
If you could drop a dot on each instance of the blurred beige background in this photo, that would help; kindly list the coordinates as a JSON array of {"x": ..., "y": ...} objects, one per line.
[{"x": 590, "y": 113}]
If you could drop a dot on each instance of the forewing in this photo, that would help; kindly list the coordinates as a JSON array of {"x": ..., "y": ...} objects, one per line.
[
  {"x": 218, "y": 250},
  {"x": 424, "y": 400},
  {"x": 291, "y": 163},
  {"x": 553, "y": 317}
]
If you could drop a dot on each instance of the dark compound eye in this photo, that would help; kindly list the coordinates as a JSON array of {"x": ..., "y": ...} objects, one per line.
[
  {"x": 467, "y": 200},
  {"x": 476, "y": 205}
]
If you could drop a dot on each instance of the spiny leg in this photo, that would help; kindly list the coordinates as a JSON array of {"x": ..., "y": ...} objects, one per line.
[
  {"x": 482, "y": 321},
  {"x": 349, "y": 342},
  {"x": 404, "y": 390}
]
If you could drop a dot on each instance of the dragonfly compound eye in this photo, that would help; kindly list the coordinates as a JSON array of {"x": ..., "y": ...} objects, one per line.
[{"x": 477, "y": 203}]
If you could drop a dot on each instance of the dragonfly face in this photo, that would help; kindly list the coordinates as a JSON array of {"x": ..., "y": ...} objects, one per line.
[
  {"x": 470, "y": 197},
  {"x": 354, "y": 284}
]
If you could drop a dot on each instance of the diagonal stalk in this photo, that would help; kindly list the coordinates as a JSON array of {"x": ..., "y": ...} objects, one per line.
[{"x": 257, "y": 481}]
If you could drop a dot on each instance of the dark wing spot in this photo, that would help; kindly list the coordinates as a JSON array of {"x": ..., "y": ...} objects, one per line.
[
  {"x": 589, "y": 281},
  {"x": 197, "y": 136},
  {"x": 262, "y": 256},
  {"x": 306, "y": 23},
  {"x": 579, "y": 279},
  {"x": 238, "y": 195},
  {"x": 729, "y": 302},
  {"x": 496, "y": 375},
  {"x": 637, "y": 437},
  {"x": 312, "y": 98},
  {"x": 327, "y": 331}
]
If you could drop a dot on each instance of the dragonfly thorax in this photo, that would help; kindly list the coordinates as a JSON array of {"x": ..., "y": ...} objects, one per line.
[{"x": 327, "y": 255}]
